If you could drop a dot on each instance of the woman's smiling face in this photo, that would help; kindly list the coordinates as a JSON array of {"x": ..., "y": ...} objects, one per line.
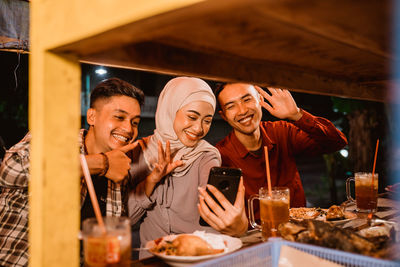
[{"x": 192, "y": 122}]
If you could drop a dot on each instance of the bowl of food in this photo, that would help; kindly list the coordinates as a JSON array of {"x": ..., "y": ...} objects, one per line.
[{"x": 186, "y": 249}]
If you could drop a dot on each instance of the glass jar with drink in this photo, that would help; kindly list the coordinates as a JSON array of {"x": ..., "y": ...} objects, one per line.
[
  {"x": 366, "y": 191},
  {"x": 112, "y": 248},
  {"x": 274, "y": 210}
]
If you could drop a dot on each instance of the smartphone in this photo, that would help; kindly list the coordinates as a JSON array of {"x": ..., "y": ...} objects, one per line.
[{"x": 226, "y": 180}]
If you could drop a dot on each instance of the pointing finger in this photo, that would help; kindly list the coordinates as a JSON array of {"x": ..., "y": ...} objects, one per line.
[
  {"x": 142, "y": 145},
  {"x": 129, "y": 147}
]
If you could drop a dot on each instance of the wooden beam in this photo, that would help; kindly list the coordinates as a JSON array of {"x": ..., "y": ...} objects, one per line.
[
  {"x": 287, "y": 35},
  {"x": 364, "y": 25},
  {"x": 15, "y": 51},
  {"x": 4, "y": 40},
  {"x": 177, "y": 61},
  {"x": 92, "y": 17},
  {"x": 150, "y": 28},
  {"x": 359, "y": 24}
]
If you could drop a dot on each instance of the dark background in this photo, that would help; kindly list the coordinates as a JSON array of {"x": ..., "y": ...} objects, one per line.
[{"x": 323, "y": 177}]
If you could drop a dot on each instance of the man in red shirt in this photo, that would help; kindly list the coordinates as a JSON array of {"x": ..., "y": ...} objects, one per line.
[{"x": 243, "y": 148}]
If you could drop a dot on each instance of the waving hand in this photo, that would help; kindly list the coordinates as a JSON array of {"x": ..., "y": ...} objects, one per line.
[{"x": 280, "y": 103}]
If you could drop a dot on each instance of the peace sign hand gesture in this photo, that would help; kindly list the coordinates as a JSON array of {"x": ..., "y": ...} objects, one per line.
[{"x": 163, "y": 167}]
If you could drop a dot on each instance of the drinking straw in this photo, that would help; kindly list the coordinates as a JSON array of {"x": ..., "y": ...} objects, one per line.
[
  {"x": 376, "y": 153},
  {"x": 373, "y": 168},
  {"x": 373, "y": 175},
  {"x": 92, "y": 193},
  {"x": 268, "y": 173},
  {"x": 271, "y": 214}
]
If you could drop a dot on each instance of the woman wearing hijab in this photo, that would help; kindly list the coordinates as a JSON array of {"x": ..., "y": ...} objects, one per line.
[{"x": 168, "y": 197}]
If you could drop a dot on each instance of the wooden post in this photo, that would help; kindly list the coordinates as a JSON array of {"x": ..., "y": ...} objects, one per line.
[{"x": 54, "y": 116}]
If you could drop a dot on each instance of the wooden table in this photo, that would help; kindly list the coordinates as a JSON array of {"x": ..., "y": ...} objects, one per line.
[
  {"x": 252, "y": 237},
  {"x": 149, "y": 262},
  {"x": 388, "y": 208}
]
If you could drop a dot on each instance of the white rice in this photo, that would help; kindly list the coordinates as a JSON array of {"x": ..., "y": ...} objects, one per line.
[{"x": 215, "y": 241}]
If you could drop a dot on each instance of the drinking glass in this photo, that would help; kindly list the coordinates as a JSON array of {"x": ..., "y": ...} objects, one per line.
[
  {"x": 366, "y": 191},
  {"x": 110, "y": 249},
  {"x": 274, "y": 210}
]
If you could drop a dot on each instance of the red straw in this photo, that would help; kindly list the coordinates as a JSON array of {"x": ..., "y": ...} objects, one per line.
[
  {"x": 373, "y": 174},
  {"x": 92, "y": 193},
  {"x": 268, "y": 173},
  {"x": 376, "y": 154},
  {"x": 373, "y": 168}
]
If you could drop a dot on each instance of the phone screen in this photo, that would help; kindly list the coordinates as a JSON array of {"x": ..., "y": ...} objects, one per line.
[{"x": 226, "y": 180}]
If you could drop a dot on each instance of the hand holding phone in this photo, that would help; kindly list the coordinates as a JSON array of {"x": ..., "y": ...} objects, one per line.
[{"x": 226, "y": 180}]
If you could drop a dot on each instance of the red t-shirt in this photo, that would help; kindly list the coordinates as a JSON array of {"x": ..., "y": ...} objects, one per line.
[{"x": 308, "y": 136}]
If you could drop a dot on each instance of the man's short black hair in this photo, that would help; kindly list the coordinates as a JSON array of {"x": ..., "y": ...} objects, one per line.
[
  {"x": 217, "y": 90},
  {"x": 115, "y": 87}
]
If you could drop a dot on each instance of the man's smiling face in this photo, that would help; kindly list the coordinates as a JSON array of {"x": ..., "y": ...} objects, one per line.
[
  {"x": 115, "y": 122},
  {"x": 241, "y": 107}
]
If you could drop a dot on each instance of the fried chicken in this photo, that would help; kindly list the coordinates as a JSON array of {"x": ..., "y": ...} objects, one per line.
[{"x": 191, "y": 245}]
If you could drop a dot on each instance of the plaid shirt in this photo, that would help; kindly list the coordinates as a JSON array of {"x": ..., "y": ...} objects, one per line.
[
  {"x": 14, "y": 179},
  {"x": 116, "y": 204},
  {"x": 14, "y": 173}
]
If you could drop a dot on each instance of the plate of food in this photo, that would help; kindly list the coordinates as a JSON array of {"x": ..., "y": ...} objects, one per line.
[
  {"x": 334, "y": 214},
  {"x": 186, "y": 249}
]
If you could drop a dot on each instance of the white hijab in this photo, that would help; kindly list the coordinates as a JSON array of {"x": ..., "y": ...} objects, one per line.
[{"x": 177, "y": 93}]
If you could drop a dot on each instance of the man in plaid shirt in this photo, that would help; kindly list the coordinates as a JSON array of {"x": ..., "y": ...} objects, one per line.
[{"x": 113, "y": 117}]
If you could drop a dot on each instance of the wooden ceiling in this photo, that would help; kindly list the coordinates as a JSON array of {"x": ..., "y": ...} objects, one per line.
[{"x": 332, "y": 47}]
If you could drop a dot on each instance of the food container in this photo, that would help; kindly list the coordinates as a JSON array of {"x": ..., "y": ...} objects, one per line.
[{"x": 267, "y": 254}]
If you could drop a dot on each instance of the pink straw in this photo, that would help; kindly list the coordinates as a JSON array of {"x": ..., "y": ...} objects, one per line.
[
  {"x": 92, "y": 193},
  {"x": 268, "y": 173}
]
